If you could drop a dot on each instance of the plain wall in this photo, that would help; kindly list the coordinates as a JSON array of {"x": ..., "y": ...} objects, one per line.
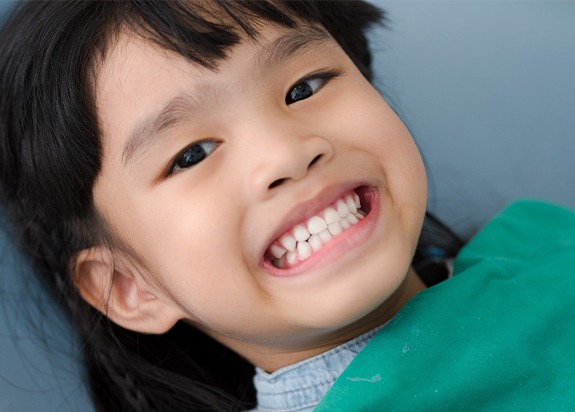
[{"x": 488, "y": 91}]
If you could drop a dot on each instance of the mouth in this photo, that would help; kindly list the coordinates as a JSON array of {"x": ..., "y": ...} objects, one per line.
[{"x": 321, "y": 230}]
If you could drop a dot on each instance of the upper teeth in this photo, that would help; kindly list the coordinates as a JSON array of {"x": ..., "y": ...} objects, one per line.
[{"x": 300, "y": 242}]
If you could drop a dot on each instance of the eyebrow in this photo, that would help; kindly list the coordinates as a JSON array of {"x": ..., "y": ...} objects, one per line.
[
  {"x": 300, "y": 41},
  {"x": 275, "y": 54},
  {"x": 147, "y": 132}
]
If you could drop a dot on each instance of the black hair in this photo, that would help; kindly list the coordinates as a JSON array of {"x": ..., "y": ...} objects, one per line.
[{"x": 50, "y": 156}]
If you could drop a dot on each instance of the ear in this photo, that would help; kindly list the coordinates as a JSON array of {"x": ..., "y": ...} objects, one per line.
[{"x": 110, "y": 285}]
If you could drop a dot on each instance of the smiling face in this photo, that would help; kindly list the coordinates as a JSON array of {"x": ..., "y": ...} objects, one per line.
[{"x": 229, "y": 187}]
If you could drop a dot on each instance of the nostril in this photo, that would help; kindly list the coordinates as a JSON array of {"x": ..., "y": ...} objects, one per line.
[
  {"x": 276, "y": 183},
  {"x": 281, "y": 181},
  {"x": 315, "y": 160}
]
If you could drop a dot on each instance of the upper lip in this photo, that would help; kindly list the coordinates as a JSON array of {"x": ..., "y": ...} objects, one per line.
[{"x": 308, "y": 208}]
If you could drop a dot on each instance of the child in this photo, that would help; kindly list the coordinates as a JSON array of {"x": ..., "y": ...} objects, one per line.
[{"x": 221, "y": 181}]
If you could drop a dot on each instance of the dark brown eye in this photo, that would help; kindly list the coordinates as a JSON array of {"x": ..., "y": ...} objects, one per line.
[
  {"x": 309, "y": 86},
  {"x": 193, "y": 155},
  {"x": 299, "y": 92}
]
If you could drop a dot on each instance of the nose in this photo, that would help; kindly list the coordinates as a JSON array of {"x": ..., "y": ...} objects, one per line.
[{"x": 281, "y": 159}]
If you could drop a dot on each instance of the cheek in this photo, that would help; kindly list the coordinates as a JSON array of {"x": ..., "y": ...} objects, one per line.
[
  {"x": 182, "y": 226},
  {"x": 356, "y": 113},
  {"x": 381, "y": 132},
  {"x": 365, "y": 122},
  {"x": 190, "y": 243}
]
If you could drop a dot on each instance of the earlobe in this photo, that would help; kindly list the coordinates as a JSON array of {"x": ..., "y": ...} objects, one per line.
[{"x": 110, "y": 285}]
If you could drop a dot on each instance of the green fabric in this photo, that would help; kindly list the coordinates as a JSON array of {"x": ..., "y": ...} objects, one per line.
[{"x": 498, "y": 336}]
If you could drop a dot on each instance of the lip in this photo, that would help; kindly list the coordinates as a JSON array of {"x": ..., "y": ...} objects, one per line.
[{"x": 304, "y": 210}]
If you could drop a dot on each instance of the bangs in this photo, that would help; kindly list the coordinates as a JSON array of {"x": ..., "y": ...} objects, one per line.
[{"x": 203, "y": 31}]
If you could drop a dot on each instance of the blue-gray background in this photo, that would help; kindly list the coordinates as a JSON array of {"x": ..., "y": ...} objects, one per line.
[{"x": 486, "y": 87}]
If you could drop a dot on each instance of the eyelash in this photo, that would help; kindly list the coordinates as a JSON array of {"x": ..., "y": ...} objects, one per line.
[
  {"x": 197, "y": 152},
  {"x": 193, "y": 155},
  {"x": 297, "y": 92}
]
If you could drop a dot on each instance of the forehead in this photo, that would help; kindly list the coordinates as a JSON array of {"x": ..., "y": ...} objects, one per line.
[
  {"x": 136, "y": 69},
  {"x": 271, "y": 44}
]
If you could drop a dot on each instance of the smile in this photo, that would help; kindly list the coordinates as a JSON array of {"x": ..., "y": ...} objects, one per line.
[{"x": 302, "y": 241}]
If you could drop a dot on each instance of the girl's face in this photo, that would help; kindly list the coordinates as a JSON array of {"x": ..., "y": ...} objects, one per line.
[{"x": 210, "y": 176}]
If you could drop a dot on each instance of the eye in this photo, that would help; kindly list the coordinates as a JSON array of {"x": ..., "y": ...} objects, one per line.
[
  {"x": 193, "y": 155},
  {"x": 308, "y": 86}
]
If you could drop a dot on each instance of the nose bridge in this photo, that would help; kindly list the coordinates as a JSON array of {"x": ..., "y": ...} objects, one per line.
[{"x": 283, "y": 151}]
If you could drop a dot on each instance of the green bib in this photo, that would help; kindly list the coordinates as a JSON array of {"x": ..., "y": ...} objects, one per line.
[{"x": 498, "y": 336}]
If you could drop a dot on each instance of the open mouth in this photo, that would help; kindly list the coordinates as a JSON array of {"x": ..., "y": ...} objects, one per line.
[{"x": 304, "y": 239}]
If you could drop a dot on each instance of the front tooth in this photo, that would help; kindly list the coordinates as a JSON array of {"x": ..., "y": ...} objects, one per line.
[
  {"x": 300, "y": 233},
  {"x": 277, "y": 251},
  {"x": 303, "y": 250},
  {"x": 291, "y": 257},
  {"x": 325, "y": 236},
  {"x": 350, "y": 204},
  {"x": 357, "y": 201},
  {"x": 288, "y": 242},
  {"x": 315, "y": 242},
  {"x": 330, "y": 215},
  {"x": 334, "y": 228},
  {"x": 342, "y": 208},
  {"x": 315, "y": 225}
]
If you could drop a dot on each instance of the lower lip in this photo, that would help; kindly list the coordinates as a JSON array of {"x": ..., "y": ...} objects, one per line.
[{"x": 338, "y": 247}]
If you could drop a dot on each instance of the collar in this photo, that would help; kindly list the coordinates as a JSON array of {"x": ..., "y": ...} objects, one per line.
[{"x": 302, "y": 385}]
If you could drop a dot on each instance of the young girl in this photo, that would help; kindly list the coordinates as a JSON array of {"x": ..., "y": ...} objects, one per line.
[{"x": 223, "y": 184}]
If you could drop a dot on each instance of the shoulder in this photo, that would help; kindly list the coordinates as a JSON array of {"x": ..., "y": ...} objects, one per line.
[
  {"x": 525, "y": 234},
  {"x": 495, "y": 335}
]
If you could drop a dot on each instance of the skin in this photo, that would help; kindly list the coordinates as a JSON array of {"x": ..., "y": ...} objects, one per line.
[{"x": 196, "y": 237}]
